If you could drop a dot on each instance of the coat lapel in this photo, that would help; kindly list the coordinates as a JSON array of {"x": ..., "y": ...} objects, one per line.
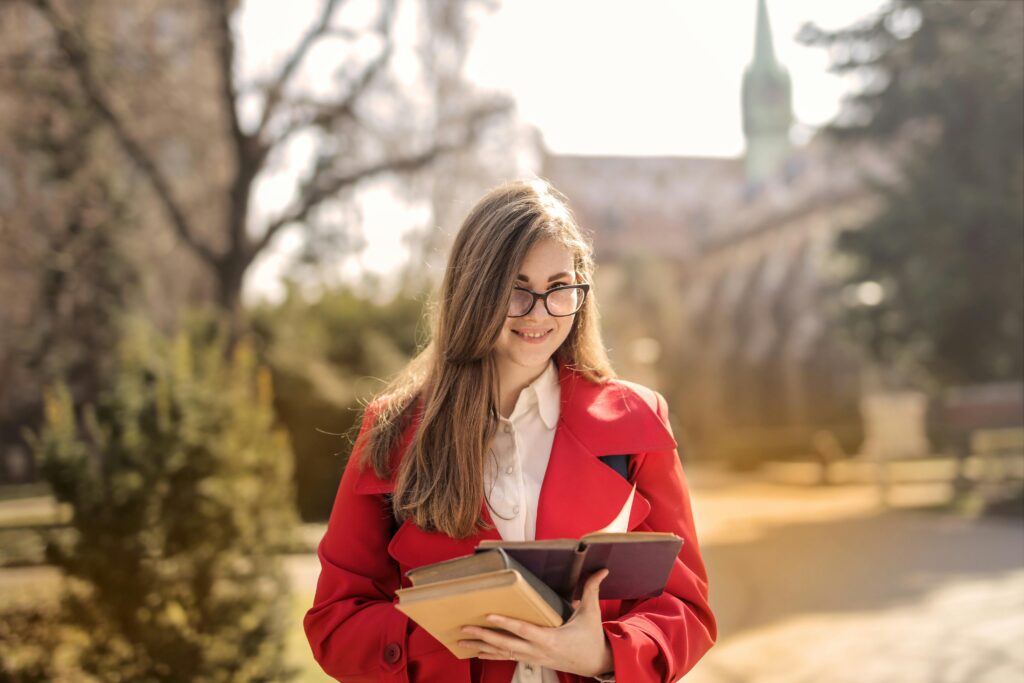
[{"x": 580, "y": 493}]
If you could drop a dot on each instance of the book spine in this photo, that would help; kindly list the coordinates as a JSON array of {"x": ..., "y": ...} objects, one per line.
[{"x": 578, "y": 557}]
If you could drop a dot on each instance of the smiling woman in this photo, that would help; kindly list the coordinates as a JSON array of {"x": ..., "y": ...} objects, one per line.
[
  {"x": 497, "y": 429},
  {"x": 532, "y": 334}
]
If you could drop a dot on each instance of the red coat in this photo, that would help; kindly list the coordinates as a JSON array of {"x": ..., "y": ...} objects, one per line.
[{"x": 356, "y": 633}]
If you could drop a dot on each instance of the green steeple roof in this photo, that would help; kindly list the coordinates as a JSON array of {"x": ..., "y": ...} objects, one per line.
[
  {"x": 764, "y": 47},
  {"x": 767, "y": 104}
]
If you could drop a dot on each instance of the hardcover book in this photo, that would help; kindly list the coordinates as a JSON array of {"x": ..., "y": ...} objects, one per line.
[
  {"x": 638, "y": 563},
  {"x": 460, "y": 592},
  {"x": 533, "y": 580}
]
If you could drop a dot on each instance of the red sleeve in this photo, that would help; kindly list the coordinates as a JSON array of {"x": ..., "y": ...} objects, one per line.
[
  {"x": 353, "y": 628},
  {"x": 661, "y": 638}
]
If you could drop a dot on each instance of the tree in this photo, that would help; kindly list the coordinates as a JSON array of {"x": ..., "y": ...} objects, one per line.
[
  {"x": 942, "y": 80},
  {"x": 369, "y": 127},
  {"x": 181, "y": 490},
  {"x": 65, "y": 274}
]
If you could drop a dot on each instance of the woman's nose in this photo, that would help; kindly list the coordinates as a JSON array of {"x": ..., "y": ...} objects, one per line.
[{"x": 539, "y": 311}]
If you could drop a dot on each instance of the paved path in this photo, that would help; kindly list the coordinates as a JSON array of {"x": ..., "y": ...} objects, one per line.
[{"x": 821, "y": 585}]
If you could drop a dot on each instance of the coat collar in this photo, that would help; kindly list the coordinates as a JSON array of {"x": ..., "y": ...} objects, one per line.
[
  {"x": 580, "y": 493},
  {"x": 610, "y": 418}
]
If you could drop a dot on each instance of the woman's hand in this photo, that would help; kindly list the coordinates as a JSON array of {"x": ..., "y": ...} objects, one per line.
[{"x": 578, "y": 646}]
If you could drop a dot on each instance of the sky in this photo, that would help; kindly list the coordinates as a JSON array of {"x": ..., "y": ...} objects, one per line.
[
  {"x": 651, "y": 77},
  {"x": 602, "y": 77}
]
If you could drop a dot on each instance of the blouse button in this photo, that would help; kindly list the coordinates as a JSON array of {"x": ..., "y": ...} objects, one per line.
[
  {"x": 392, "y": 653},
  {"x": 508, "y": 429},
  {"x": 508, "y": 470},
  {"x": 515, "y": 509}
]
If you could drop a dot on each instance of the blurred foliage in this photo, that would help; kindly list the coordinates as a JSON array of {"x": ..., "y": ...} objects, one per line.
[
  {"x": 328, "y": 357},
  {"x": 29, "y": 640},
  {"x": 64, "y": 235},
  {"x": 749, "y": 448},
  {"x": 181, "y": 490},
  {"x": 948, "y": 243},
  {"x": 641, "y": 299}
]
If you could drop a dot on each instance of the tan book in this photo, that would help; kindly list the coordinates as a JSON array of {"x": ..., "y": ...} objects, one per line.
[{"x": 443, "y": 607}]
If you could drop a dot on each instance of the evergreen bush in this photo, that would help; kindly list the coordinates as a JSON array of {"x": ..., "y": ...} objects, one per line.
[{"x": 181, "y": 487}]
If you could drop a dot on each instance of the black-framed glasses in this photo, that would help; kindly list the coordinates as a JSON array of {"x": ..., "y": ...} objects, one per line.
[{"x": 559, "y": 301}]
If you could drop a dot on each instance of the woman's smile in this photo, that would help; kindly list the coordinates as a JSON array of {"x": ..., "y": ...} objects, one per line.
[{"x": 532, "y": 336}]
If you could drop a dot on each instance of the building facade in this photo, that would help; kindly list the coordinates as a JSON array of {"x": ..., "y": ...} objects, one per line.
[{"x": 739, "y": 253}]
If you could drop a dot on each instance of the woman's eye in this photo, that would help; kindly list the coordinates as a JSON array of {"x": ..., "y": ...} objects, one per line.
[{"x": 557, "y": 284}]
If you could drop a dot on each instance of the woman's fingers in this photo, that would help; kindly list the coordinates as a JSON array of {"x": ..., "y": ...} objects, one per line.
[
  {"x": 593, "y": 584},
  {"x": 497, "y": 643},
  {"x": 524, "y": 641},
  {"x": 592, "y": 589},
  {"x": 523, "y": 629},
  {"x": 481, "y": 646}
]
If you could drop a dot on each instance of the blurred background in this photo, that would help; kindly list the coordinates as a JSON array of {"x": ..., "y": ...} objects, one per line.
[{"x": 221, "y": 222}]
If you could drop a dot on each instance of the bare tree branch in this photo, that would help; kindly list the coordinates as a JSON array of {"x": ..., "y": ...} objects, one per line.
[
  {"x": 248, "y": 156},
  {"x": 328, "y": 113},
  {"x": 225, "y": 44},
  {"x": 275, "y": 91},
  {"x": 81, "y": 64},
  {"x": 324, "y": 115},
  {"x": 321, "y": 185},
  {"x": 356, "y": 148}
]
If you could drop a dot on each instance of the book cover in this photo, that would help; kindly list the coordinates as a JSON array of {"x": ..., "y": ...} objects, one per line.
[
  {"x": 638, "y": 563},
  {"x": 443, "y": 606}
]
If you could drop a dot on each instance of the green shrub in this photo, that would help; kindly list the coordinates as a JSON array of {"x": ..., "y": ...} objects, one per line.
[
  {"x": 181, "y": 488},
  {"x": 28, "y": 643},
  {"x": 328, "y": 357}
]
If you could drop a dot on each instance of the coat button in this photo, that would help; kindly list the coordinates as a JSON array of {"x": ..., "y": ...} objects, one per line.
[{"x": 392, "y": 653}]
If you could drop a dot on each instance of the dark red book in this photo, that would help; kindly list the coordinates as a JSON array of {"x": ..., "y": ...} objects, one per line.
[{"x": 639, "y": 563}]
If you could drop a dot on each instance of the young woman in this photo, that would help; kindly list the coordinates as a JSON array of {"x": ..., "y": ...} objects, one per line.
[{"x": 497, "y": 429}]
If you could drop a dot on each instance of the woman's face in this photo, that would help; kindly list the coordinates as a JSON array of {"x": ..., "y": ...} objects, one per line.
[{"x": 530, "y": 341}]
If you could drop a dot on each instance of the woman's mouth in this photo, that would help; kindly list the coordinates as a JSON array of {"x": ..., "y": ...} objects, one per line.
[{"x": 532, "y": 336}]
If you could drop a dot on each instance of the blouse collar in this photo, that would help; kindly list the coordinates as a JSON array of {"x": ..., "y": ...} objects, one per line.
[{"x": 545, "y": 392}]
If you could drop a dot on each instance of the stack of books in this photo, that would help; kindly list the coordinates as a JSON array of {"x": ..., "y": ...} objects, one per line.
[{"x": 533, "y": 581}]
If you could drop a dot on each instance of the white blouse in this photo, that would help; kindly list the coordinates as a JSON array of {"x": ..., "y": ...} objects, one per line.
[{"x": 515, "y": 471}]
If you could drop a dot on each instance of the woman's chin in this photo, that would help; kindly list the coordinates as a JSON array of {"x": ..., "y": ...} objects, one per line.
[
  {"x": 528, "y": 358},
  {"x": 534, "y": 357}
]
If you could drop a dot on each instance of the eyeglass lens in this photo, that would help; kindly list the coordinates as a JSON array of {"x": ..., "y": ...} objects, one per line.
[{"x": 559, "y": 301}]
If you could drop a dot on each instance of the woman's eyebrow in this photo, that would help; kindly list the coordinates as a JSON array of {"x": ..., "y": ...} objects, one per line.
[{"x": 523, "y": 278}]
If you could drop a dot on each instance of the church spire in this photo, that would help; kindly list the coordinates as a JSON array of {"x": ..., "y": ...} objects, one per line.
[
  {"x": 767, "y": 104},
  {"x": 764, "y": 47}
]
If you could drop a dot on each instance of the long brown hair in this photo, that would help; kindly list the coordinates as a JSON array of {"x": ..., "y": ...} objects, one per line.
[{"x": 452, "y": 384}]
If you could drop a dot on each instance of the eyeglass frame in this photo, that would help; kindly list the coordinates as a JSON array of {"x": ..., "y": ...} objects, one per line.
[{"x": 544, "y": 297}]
